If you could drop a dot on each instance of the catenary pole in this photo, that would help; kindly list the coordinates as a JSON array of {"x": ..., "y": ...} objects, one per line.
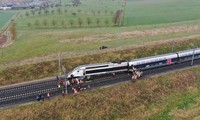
[{"x": 192, "y": 57}]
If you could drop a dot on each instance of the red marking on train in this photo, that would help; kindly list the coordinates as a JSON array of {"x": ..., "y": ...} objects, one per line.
[{"x": 169, "y": 61}]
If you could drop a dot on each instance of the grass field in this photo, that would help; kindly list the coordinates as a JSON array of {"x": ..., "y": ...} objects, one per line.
[
  {"x": 102, "y": 10},
  {"x": 136, "y": 12},
  {"x": 142, "y": 15},
  {"x": 45, "y": 42},
  {"x": 5, "y": 17},
  {"x": 140, "y": 12}
]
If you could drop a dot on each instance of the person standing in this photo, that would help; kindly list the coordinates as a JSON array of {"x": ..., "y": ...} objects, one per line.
[
  {"x": 59, "y": 86},
  {"x": 48, "y": 95}
]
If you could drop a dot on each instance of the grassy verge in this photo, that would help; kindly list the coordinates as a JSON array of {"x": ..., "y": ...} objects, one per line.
[
  {"x": 149, "y": 99},
  {"x": 42, "y": 43},
  {"x": 50, "y": 68}
]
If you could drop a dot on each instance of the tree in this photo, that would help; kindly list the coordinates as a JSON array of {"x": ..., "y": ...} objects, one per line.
[
  {"x": 29, "y": 24},
  {"x": 33, "y": 12},
  {"x": 79, "y": 11},
  {"x": 45, "y": 22},
  {"x": 99, "y": 12},
  {"x": 37, "y": 23},
  {"x": 106, "y": 22},
  {"x": 65, "y": 11},
  {"x": 73, "y": 13},
  {"x": 89, "y": 21},
  {"x": 111, "y": 12},
  {"x": 106, "y": 11},
  {"x": 39, "y": 12},
  {"x": 13, "y": 31},
  {"x": 63, "y": 23},
  {"x": 93, "y": 12},
  {"x": 71, "y": 22},
  {"x": 27, "y": 14},
  {"x": 98, "y": 21},
  {"x": 53, "y": 23},
  {"x": 117, "y": 17},
  {"x": 52, "y": 5},
  {"x": 76, "y": 2},
  {"x": 59, "y": 11},
  {"x": 80, "y": 22},
  {"x": 46, "y": 11},
  {"x": 52, "y": 11}
]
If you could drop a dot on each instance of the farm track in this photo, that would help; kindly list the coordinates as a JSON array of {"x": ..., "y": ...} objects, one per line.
[{"x": 16, "y": 95}]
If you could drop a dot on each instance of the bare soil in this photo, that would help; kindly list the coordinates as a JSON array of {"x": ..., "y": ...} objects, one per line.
[{"x": 133, "y": 34}]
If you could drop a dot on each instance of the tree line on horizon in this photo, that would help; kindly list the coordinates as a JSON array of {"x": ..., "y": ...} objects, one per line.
[{"x": 79, "y": 21}]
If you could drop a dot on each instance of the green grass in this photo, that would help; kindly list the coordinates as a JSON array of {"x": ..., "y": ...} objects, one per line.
[
  {"x": 5, "y": 17},
  {"x": 44, "y": 42},
  {"x": 137, "y": 12},
  {"x": 39, "y": 40},
  {"x": 86, "y": 10},
  {"x": 140, "y": 12}
]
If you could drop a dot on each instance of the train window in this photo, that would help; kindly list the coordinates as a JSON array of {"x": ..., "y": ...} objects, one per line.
[
  {"x": 147, "y": 65},
  {"x": 78, "y": 71}
]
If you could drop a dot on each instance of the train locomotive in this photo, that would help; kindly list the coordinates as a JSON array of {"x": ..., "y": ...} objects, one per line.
[{"x": 87, "y": 71}]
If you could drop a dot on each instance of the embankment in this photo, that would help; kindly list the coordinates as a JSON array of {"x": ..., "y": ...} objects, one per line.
[
  {"x": 152, "y": 98},
  {"x": 50, "y": 68}
]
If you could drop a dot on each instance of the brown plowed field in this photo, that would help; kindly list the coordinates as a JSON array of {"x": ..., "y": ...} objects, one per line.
[{"x": 2, "y": 39}]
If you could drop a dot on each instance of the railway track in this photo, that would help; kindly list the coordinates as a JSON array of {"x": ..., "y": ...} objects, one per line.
[{"x": 15, "y": 95}]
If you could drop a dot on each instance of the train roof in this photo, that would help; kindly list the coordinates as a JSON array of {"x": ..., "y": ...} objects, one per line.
[
  {"x": 92, "y": 65},
  {"x": 155, "y": 58},
  {"x": 99, "y": 65},
  {"x": 189, "y": 52},
  {"x": 165, "y": 56}
]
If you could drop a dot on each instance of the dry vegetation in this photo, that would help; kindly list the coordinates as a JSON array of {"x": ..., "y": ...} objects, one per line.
[
  {"x": 50, "y": 68},
  {"x": 139, "y": 100},
  {"x": 133, "y": 34}
]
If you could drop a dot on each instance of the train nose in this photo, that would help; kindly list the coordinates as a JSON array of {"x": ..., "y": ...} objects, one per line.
[{"x": 70, "y": 76}]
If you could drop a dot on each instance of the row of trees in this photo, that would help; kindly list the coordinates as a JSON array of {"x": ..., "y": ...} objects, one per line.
[
  {"x": 60, "y": 11},
  {"x": 78, "y": 22},
  {"x": 116, "y": 20}
]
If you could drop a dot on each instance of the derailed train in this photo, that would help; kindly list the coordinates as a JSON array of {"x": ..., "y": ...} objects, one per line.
[{"x": 85, "y": 71}]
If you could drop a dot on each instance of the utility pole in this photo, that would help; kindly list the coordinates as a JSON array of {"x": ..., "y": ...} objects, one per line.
[
  {"x": 65, "y": 76},
  {"x": 173, "y": 44},
  {"x": 192, "y": 57},
  {"x": 59, "y": 63}
]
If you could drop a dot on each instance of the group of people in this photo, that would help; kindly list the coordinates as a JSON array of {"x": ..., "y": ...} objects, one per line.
[
  {"x": 136, "y": 74},
  {"x": 75, "y": 84},
  {"x": 40, "y": 97}
]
